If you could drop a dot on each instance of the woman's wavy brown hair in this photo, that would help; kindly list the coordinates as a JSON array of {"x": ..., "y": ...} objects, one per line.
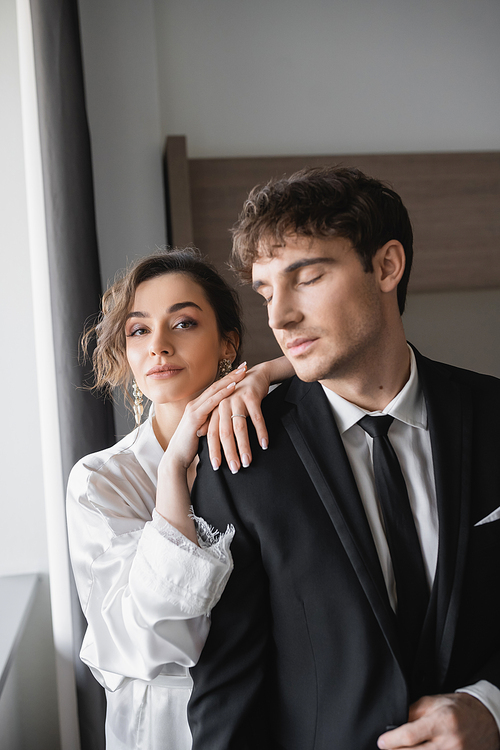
[{"x": 109, "y": 357}]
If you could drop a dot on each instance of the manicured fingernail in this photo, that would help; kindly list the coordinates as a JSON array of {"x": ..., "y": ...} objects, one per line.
[
  {"x": 234, "y": 467},
  {"x": 231, "y": 385},
  {"x": 215, "y": 464},
  {"x": 198, "y": 433},
  {"x": 243, "y": 364},
  {"x": 245, "y": 460},
  {"x": 264, "y": 444}
]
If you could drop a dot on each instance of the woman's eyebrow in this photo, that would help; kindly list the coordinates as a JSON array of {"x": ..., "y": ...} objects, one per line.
[
  {"x": 181, "y": 305},
  {"x": 173, "y": 308}
]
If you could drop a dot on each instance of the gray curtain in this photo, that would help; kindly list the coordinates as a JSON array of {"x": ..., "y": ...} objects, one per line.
[{"x": 86, "y": 424}]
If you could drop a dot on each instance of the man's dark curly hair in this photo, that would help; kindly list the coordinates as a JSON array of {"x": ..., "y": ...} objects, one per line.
[{"x": 322, "y": 202}]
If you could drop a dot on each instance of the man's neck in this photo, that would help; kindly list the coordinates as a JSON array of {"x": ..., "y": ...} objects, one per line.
[{"x": 378, "y": 380}]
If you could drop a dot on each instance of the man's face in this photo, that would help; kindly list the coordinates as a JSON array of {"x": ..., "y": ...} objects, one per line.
[{"x": 324, "y": 309}]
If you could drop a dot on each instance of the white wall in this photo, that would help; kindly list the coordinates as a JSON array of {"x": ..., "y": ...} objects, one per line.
[
  {"x": 329, "y": 76},
  {"x": 121, "y": 83},
  {"x": 28, "y": 707},
  {"x": 23, "y": 546},
  {"x": 28, "y": 713},
  {"x": 119, "y": 56}
]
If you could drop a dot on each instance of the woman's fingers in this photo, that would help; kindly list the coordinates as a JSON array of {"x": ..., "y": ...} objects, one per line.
[
  {"x": 255, "y": 414},
  {"x": 222, "y": 413},
  {"x": 234, "y": 413},
  {"x": 213, "y": 440},
  {"x": 234, "y": 434},
  {"x": 201, "y": 407}
]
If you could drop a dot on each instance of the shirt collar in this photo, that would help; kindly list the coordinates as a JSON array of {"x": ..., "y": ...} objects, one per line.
[
  {"x": 407, "y": 406},
  {"x": 146, "y": 447}
]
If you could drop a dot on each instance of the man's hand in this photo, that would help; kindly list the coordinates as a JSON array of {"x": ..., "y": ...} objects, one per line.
[{"x": 445, "y": 722}]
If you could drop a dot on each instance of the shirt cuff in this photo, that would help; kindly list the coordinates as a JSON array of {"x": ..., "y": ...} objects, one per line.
[
  {"x": 191, "y": 577},
  {"x": 488, "y": 694},
  {"x": 210, "y": 541}
]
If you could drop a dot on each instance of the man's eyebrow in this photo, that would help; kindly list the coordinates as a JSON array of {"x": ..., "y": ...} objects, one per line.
[
  {"x": 307, "y": 262},
  {"x": 172, "y": 309},
  {"x": 302, "y": 263}
]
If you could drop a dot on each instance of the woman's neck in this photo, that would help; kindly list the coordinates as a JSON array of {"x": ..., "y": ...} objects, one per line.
[{"x": 165, "y": 421}]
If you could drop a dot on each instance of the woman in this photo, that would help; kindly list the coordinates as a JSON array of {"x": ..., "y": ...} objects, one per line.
[{"x": 147, "y": 572}]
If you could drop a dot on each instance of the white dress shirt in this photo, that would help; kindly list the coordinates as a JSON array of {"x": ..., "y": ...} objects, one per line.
[
  {"x": 410, "y": 438},
  {"x": 146, "y": 592}
]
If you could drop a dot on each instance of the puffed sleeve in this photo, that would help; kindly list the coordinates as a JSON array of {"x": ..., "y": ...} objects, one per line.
[{"x": 145, "y": 590}]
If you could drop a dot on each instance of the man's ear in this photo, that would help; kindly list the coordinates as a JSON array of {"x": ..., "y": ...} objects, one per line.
[
  {"x": 389, "y": 263},
  {"x": 230, "y": 345}
]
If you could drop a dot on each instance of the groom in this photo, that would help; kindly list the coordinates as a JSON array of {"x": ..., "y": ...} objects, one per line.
[{"x": 363, "y": 609}]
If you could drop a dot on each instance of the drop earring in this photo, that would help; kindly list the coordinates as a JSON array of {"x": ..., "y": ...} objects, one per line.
[
  {"x": 225, "y": 367},
  {"x": 138, "y": 406}
]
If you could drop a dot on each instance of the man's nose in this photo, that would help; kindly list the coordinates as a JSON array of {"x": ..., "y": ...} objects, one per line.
[{"x": 282, "y": 311}]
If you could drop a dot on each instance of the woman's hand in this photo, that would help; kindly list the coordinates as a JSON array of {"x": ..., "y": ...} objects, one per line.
[
  {"x": 228, "y": 423},
  {"x": 183, "y": 445},
  {"x": 173, "y": 500}
]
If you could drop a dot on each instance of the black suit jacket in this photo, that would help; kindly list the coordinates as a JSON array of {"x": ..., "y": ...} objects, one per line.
[{"x": 302, "y": 652}]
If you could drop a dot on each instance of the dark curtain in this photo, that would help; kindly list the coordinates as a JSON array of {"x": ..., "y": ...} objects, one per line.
[{"x": 86, "y": 424}]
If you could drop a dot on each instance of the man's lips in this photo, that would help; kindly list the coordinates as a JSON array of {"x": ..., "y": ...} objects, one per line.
[
  {"x": 163, "y": 371},
  {"x": 299, "y": 345}
]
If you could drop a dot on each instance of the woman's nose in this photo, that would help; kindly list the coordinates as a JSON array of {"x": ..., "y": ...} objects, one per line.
[{"x": 160, "y": 343}]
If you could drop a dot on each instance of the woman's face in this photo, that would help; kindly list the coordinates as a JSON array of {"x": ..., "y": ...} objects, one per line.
[{"x": 173, "y": 343}]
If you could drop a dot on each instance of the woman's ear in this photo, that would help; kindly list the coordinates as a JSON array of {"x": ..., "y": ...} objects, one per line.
[
  {"x": 230, "y": 345},
  {"x": 390, "y": 262}
]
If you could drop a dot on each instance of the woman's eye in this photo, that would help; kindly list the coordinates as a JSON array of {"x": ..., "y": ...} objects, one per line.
[
  {"x": 183, "y": 324},
  {"x": 136, "y": 332}
]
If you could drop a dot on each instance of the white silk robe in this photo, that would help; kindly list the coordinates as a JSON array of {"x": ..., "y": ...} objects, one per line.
[{"x": 146, "y": 592}]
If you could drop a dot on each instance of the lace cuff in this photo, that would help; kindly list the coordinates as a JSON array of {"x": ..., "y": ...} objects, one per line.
[
  {"x": 212, "y": 542},
  {"x": 178, "y": 572}
]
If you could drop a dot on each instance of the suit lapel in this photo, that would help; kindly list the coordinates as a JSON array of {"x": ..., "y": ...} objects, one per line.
[
  {"x": 450, "y": 426},
  {"x": 315, "y": 436}
]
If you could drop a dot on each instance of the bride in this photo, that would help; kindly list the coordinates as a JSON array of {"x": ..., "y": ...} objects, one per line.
[{"x": 148, "y": 573}]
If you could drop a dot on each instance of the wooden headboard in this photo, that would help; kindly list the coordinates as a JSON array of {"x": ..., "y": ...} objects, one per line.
[{"x": 453, "y": 200}]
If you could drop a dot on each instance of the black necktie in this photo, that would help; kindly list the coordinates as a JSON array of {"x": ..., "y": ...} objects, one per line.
[{"x": 411, "y": 583}]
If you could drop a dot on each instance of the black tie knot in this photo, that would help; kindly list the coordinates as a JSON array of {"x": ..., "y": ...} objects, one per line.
[{"x": 376, "y": 426}]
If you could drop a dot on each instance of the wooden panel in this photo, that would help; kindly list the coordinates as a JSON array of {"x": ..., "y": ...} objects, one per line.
[
  {"x": 453, "y": 200},
  {"x": 178, "y": 196}
]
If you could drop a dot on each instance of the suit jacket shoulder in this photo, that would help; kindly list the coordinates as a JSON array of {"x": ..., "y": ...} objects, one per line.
[{"x": 481, "y": 385}]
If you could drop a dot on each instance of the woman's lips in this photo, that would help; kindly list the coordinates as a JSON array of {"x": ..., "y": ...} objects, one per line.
[{"x": 163, "y": 372}]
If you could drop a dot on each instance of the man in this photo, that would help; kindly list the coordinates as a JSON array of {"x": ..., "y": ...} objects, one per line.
[{"x": 367, "y": 554}]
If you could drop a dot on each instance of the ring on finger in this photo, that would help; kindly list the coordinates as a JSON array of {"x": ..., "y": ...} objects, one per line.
[{"x": 238, "y": 415}]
